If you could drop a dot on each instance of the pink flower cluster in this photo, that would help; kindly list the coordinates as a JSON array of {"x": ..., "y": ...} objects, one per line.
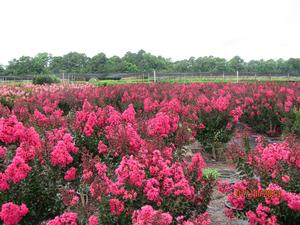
[
  {"x": 116, "y": 206},
  {"x": 60, "y": 155},
  {"x": 261, "y": 216},
  {"x": 203, "y": 219},
  {"x": 68, "y": 218},
  {"x": 276, "y": 166},
  {"x": 28, "y": 141},
  {"x": 12, "y": 214},
  {"x": 147, "y": 215},
  {"x": 161, "y": 125},
  {"x": 235, "y": 199}
]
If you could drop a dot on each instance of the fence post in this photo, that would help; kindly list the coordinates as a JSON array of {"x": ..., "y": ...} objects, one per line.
[
  {"x": 154, "y": 76},
  {"x": 223, "y": 77},
  {"x": 237, "y": 76}
]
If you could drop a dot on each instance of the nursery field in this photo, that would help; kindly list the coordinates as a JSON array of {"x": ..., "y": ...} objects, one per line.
[{"x": 123, "y": 154}]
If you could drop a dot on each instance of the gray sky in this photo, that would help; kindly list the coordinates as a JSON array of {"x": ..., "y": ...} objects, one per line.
[{"x": 177, "y": 29}]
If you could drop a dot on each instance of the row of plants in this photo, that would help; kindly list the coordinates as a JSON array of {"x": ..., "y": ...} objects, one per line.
[{"x": 268, "y": 192}]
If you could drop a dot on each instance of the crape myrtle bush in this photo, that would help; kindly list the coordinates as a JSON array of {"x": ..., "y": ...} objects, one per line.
[
  {"x": 272, "y": 169},
  {"x": 78, "y": 154}
]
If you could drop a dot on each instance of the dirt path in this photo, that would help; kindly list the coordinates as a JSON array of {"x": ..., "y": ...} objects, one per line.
[{"x": 217, "y": 204}]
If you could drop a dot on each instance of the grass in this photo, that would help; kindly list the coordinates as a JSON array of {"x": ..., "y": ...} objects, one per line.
[
  {"x": 114, "y": 82},
  {"x": 15, "y": 83},
  {"x": 188, "y": 80}
]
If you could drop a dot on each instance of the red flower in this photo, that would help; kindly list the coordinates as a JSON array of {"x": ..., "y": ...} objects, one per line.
[
  {"x": 102, "y": 148},
  {"x": 68, "y": 218},
  {"x": 147, "y": 215},
  {"x": 12, "y": 214},
  {"x": 93, "y": 220},
  {"x": 70, "y": 174},
  {"x": 201, "y": 126},
  {"x": 285, "y": 178},
  {"x": 2, "y": 152},
  {"x": 116, "y": 206}
]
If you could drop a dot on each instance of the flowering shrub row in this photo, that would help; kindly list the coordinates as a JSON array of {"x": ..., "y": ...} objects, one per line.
[{"x": 272, "y": 169}]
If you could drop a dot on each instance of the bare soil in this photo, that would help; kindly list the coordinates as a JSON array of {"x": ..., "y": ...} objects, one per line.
[{"x": 217, "y": 204}]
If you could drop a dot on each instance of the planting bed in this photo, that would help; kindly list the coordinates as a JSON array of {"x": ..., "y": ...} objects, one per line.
[{"x": 149, "y": 154}]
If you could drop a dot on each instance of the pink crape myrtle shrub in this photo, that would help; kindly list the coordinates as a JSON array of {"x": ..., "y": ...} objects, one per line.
[
  {"x": 270, "y": 191},
  {"x": 19, "y": 149},
  {"x": 270, "y": 109},
  {"x": 217, "y": 116}
]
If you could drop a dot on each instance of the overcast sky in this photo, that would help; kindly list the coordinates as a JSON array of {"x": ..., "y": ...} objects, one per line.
[{"x": 177, "y": 29}]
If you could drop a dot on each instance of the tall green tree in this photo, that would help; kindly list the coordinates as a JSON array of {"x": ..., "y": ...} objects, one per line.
[
  {"x": 21, "y": 66},
  {"x": 236, "y": 64},
  {"x": 294, "y": 65},
  {"x": 143, "y": 61},
  {"x": 97, "y": 64},
  {"x": 56, "y": 64},
  {"x": 114, "y": 64},
  {"x": 40, "y": 63},
  {"x": 282, "y": 66},
  {"x": 2, "y": 70},
  {"x": 74, "y": 62}
]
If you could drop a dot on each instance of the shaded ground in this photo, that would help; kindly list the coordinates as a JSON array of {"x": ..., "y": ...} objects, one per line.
[{"x": 216, "y": 206}]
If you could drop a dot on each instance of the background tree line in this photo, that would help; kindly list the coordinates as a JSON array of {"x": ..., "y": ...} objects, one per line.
[{"x": 74, "y": 62}]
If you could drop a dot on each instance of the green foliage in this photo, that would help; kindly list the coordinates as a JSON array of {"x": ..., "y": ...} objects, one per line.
[
  {"x": 7, "y": 101},
  {"x": 39, "y": 191},
  {"x": 23, "y": 65},
  {"x": 64, "y": 106},
  {"x": 209, "y": 173},
  {"x": 268, "y": 122},
  {"x": 296, "y": 124},
  {"x": 142, "y": 61},
  {"x": 93, "y": 80},
  {"x": 97, "y": 63},
  {"x": 236, "y": 64},
  {"x": 45, "y": 79},
  {"x": 2, "y": 70},
  {"x": 40, "y": 63},
  {"x": 215, "y": 134}
]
